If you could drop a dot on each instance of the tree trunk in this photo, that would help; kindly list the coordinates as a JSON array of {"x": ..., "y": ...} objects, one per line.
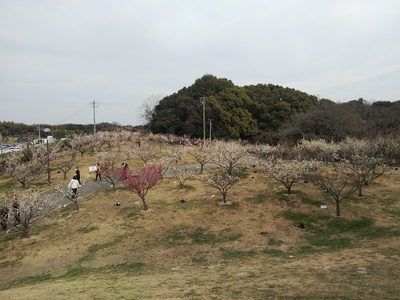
[
  {"x": 76, "y": 204},
  {"x": 25, "y": 230},
  {"x": 224, "y": 196},
  {"x": 337, "y": 208},
  {"x": 145, "y": 207}
]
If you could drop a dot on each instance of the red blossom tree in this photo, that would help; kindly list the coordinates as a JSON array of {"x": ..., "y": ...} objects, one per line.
[{"x": 141, "y": 182}]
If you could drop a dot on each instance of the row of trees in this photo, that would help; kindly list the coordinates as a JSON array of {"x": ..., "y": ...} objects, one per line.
[
  {"x": 339, "y": 169},
  {"x": 13, "y": 129}
]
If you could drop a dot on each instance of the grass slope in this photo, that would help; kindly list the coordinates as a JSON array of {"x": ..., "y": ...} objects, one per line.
[{"x": 200, "y": 249}]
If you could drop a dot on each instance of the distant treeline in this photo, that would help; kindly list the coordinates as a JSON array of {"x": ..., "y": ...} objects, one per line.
[
  {"x": 12, "y": 129},
  {"x": 268, "y": 113},
  {"x": 263, "y": 113}
]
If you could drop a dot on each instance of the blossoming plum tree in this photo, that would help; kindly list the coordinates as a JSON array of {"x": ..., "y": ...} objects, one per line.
[{"x": 144, "y": 180}]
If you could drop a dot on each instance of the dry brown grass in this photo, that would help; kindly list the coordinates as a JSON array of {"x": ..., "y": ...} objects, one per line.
[{"x": 199, "y": 249}]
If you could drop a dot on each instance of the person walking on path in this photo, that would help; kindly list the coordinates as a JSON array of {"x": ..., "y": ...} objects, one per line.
[
  {"x": 78, "y": 175},
  {"x": 125, "y": 172},
  {"x": 98, "y": 172},
  {"x": 73, "y": 186}
]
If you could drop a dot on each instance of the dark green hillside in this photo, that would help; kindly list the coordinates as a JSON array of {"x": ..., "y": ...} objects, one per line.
[
  {"x": 248, "y": 112},
  {"x": 269, "y": 113}
]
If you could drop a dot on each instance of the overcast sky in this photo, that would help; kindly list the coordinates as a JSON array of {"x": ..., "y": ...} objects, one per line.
[{"x": 57, "y": 56}]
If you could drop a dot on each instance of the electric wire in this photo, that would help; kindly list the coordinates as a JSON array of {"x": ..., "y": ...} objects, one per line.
[
  {"x": 359, "y": 83},
  {"x": 72, "y": 115}
]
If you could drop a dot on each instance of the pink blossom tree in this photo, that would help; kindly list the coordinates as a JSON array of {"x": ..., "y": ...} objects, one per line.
[
  {"x": 144, "y": 180},
  {"x": 110, "y": 167}
]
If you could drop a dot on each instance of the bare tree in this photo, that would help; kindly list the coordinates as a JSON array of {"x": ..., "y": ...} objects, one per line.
[
  {"x": 364, "y": 170},
  {"x": 332, "y": 179},
  {"x": 65, "y": 161},
  {"x": 67, "y": 193},
  {"x": 148, "y": 108},
  {"x": 286, "y": 172},
  {"x": 220, "y": 180}
]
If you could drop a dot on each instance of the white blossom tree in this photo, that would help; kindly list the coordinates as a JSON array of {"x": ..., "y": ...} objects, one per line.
[
  {"x": 29, "y": 206},
  {"x": 28, "y": 165},
  {"x": 320, "y": 150},
  {"x": 286, "y": 172},
  {"x": 82, "y": 143},
  {"x": 201, "y": 154},
  {"x": 182, "y": 175},
  {"x": 146, "y": 152},
  {"x": 229, "y": 155}
]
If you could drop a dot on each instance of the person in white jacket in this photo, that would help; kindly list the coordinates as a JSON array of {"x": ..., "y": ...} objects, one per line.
[{"x": 73, "y": 186}]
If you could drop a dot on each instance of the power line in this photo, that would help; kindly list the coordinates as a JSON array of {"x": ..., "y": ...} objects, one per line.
[
  {"x": 359, "y": 83},
  {"x": 73, "y": 114}
]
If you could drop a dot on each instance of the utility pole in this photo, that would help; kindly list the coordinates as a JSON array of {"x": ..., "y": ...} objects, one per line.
[
  {"x": 47, "y": 130},
  {"x": 95, "y": 104},
  {"x": 210, "y": 128},
  {"x": 203, "y": 101}
]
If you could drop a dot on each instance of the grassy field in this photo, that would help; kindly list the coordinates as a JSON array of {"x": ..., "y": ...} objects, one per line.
[{"x": 201, "y": 249}]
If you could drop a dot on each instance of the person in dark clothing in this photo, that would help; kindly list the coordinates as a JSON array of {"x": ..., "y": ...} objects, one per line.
[
  {"x": 3, "y": 217},
  {"x": 15, "y": 208},
  {"x": 98, "y": 172},
  {"x": 78, "y": 175}
]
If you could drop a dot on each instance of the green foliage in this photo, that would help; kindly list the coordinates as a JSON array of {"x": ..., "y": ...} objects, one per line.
[
  {"x": 274, "y": 252},
  {"x": 327, "y": 233},
  {"x": 274, "y": 242},
  {"x": 28, "y": 280},
  {"x": 236, "y": 254},
  {"x": 87, "y": 229},
  {"x": 236, "y": 112},
  {"x": 199, "y": 236},
  {"x": 258, "y": 198}
]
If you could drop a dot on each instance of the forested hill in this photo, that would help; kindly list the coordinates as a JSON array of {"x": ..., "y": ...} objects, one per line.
[
  {"x": 235, "y": 112},
  {"x": 267, "y": 113}
]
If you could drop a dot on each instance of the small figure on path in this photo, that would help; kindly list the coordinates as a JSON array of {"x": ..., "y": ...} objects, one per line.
[
  {"x": 78, "y": 175},
  {"x": 98, "y": 172},
  {"x": 125, "y": 171},
  {"x": 73, "y": 186},
  {"x": 15, "y": 208}
]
